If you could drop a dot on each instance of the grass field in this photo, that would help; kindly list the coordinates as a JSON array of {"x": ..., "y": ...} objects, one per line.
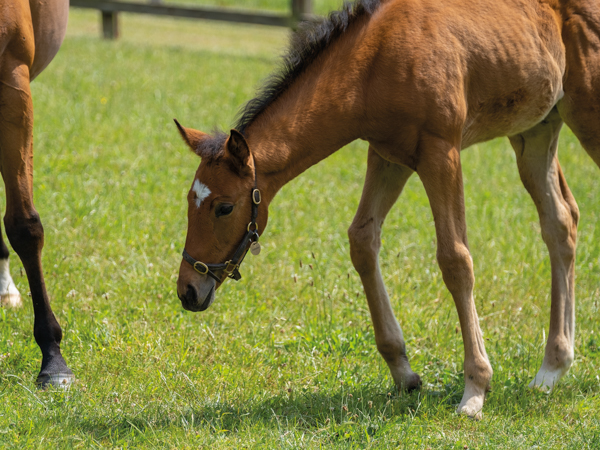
[{"x": 286, "y": 357}]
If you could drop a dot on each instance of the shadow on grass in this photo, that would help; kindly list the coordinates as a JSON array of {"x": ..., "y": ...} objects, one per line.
[
  {"x": 354, "y": 414},
  {"x": 366, "y": 408}
]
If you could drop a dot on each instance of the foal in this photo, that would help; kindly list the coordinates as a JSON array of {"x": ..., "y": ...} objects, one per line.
[
  {"x": 419, "y": 80},
  {"x": 31, "y": 32}
]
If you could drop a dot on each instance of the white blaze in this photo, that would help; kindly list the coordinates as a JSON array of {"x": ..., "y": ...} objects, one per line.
[{"x": 201, "y": 190}]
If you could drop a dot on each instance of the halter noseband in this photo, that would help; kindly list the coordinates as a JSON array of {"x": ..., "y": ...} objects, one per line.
[{"x": 231, "y": 267}]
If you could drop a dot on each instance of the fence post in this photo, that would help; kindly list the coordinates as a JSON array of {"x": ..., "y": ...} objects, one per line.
[
  {"x": 110, "y": 24},
  {"x": 299, "y": 8}
]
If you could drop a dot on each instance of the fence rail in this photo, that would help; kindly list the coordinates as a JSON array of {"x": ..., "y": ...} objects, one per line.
[{"x": 110, "y": 9}]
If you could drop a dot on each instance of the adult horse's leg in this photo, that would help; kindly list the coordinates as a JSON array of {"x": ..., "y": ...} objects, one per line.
[
  {"x": 383, "y": 184},
  {"x": 543, "y": 178},
  {"x": 440, "y": 171},
  {"x": 9, "y": 295},
  {"x": 23, "y": 226}
]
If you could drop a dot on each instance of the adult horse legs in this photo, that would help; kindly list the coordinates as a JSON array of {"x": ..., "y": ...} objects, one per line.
[
  {"x": 383, "y": 184},
  {"x": 440, "y": 171},
  {"x": 543, "y": 178},
  {"x": 22, "y": 221}
]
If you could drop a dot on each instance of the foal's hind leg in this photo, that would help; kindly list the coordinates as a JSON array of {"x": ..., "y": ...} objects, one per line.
[
  {"x": 580, "y": 106},
  {"x": 383, "y": 184},
  {"x": 543, "y": 178},
  {"x": 23, "y": 225},
  {"x": 440, "y": 171}
]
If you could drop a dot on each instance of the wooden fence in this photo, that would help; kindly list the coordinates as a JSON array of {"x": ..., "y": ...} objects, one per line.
[{"x": 109, "y": 11}]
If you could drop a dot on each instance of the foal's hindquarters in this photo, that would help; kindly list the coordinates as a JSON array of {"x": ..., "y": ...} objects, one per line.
[
  {"x": 580, "y": 109},
  {"x": 507, "y": 82},
  {"x": 542, "y": 176}
]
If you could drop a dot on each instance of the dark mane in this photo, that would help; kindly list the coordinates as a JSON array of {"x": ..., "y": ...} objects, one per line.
[
  {"x": 212, "y": 145},
  {"x": 305, "y": 46}
]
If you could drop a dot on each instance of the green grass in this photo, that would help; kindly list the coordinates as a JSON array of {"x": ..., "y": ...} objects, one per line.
[{"x": 286, "y": 357}]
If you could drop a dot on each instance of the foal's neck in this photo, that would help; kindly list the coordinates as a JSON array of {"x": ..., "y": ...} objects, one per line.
[{"x": 316, "y": 116}]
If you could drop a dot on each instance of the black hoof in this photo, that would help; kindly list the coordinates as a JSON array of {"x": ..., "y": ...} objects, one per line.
[
  {"x": 56, "y": 380},
  {"x": 412, "y": 383}
]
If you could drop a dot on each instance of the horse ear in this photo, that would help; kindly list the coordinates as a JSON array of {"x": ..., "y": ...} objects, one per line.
[
  {"x": 192, "y": 137},
  {"x": 238, "y": 151}
]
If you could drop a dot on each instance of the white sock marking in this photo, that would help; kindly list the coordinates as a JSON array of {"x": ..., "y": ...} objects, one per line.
[
  {"x": 201, "y": 190},
  {"x": 8, "y": 291}
]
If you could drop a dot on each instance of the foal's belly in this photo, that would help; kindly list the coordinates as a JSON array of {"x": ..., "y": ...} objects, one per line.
[{"x": 513, "y": 112}]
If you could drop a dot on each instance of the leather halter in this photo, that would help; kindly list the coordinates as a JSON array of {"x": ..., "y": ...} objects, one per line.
[{"x": 231, "y": 267}]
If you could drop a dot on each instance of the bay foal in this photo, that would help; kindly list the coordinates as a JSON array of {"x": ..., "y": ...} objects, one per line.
[
  {"x": 419, "y": 80},
  {"x": 31, "y": 32}
]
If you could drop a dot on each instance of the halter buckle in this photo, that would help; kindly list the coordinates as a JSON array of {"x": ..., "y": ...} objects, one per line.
[
  {"x": 198, "y": 265},
  {"x": 230, "y": 267}
]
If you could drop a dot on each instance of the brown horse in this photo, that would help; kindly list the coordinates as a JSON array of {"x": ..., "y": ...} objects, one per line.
[
  {"x": 419, "y": 80},
  {"x": 31, "y": 32}
]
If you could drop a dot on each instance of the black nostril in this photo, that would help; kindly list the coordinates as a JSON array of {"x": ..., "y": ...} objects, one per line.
[{"x": 191, "y": 295}]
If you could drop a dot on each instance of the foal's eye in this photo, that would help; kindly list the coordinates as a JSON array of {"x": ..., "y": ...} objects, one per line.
[{"x": 223, "y": 209}]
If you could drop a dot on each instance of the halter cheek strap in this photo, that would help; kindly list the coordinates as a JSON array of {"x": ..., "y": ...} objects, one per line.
[{"x": 231, "y": 267}]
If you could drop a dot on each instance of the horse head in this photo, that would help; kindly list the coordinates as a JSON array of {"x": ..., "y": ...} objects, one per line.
[{"x": 223, "y": 206}]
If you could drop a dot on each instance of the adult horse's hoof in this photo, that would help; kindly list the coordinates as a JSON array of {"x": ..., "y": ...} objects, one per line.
[{"x": 56, "y": 380}]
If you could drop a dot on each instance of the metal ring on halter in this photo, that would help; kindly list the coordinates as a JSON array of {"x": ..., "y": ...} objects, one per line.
[
  {"x": 201, "y": 264},
  {"x": 250, "y": 224},
  {"x": 256, "y": 197}
]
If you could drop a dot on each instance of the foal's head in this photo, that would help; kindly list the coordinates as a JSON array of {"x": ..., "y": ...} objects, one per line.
[{"x": 220, "y": 208}]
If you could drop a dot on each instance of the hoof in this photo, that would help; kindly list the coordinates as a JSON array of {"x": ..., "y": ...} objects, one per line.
[
  {"x": 546, "y": 379},
  {"x": 11, "y": 300},
  {"x": 56, "y": 380},
  {"x": 470, "y": 413},
  {"x": 471, "y": 404},
  {"x": 411, "y": 383}
]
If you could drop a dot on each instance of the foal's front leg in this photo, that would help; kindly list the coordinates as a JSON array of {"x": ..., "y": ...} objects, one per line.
[
  {"x": 383, "y": 184},
  {"x": 440, "y": 171}
]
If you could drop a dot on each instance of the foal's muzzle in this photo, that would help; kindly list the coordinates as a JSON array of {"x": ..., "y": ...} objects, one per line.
[{"x": 198, "y": 299}]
